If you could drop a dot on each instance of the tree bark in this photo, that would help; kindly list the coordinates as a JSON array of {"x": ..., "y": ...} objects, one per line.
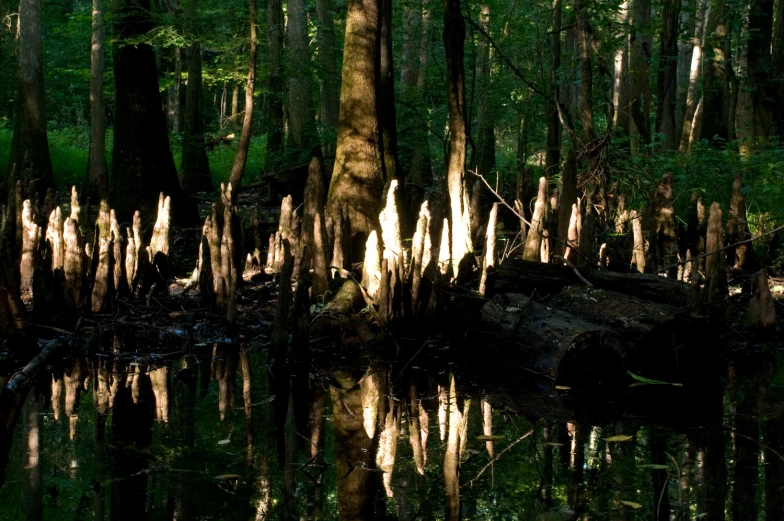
[
  {"x": 195, "y": 173},
  {"x": 640, "y": 53},
  {"x": 274, "y": 157},
  {"x": 620, "y": 75},
  {"x": 454, "y": 40},
  {"x": 553, "y": 154},
  {"x": 695, "y": 73},
  {"x": 329, "y": 80},
  {"x": 30, "y": 146},
  {"x": 715, "y": 81},
  {"x": 247, "y": 120},
  {"x": 485, "y": 152},
  {"x": 765, "y": 98},
  {"x": 668, "y": 75},
  {"x": 387, "y": 114},
  {"x": 357, "y": 178},
  {"x": 301, "y": 124},
  {"x": 142, "y": 163},
  {"x": 97, "y": 176}
]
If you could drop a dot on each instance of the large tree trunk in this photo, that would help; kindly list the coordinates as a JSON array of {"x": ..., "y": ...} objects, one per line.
[
  {"x": 685, "y": 48},
  {"x": 30, "y": 146},
  {"x": 247, "y": 120},
  {"x": 695, "y": 72},
  {"x": 195, "y": 173},
  {"x": 302, "y": 125},
  {"x": 715, "y": 84},
  {"x": 357, "y": 179},
  {"x": 97, "y": 175},
  {"x": 778, "y": 48},
  {"x": 275, "y": 77},
  {"x": 668, "y": 75},
  {"x": 329, "y": 80},
  {"x": 640, "y": 51},
  {"x": 485, "y": 151},
  {"x": 583, "y": 37},
  {"x": 386, "y": 99},
  {"x": 142, "y": 163},
  {"x": 454, "y": 40},
  {"x": 553, "y": 155},
  {"x": 620, "y": 75}
]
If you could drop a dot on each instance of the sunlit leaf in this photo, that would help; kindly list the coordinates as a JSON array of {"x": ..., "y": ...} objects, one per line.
[
  {"x": 563, "y": 387},
  {"x": 619, "y": 437},
  {"x": 631, "y": 504},
  {"x": 654, "y": 466},
  {"x": 650, "y": 381},
  {"x": 227, "y": 476},
  {"x": 224, "y": 442}
]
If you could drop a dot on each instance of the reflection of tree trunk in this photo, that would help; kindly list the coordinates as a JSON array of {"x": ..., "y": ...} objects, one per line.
[
  {"x": 546, "y": 485},
  {"x": 358, "y": 483},
  {"x": 660, "y": 478},
  {"x": 746, "y": 437},
  {"x": 102, "y": 396},
  {"x": 452, "y": 457},
  {"x": 622, "y": 471},
  {"x": 33, "y": 489},
  {"x": 577, "y": 499},
  {"x": 711, "y": 475},
  {"x": 185, "y": 389},
  {"x": 774, "y": 464},
  {"x": 129, "y": 438}
]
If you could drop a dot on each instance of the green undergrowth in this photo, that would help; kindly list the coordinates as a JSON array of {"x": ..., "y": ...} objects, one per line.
[{"x": 68, "y": 148}]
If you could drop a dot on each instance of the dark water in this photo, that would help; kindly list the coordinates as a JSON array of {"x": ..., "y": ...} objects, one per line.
[{"x": 219, "y": 431}]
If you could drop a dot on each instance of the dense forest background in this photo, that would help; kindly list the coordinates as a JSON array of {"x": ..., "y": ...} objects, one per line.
[{"x": 691, "y": 88}]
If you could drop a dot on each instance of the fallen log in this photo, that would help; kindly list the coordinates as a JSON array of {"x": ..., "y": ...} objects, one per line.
[
  {"x": 526, "y": 277},
  {"x": 561, "y": 350}
]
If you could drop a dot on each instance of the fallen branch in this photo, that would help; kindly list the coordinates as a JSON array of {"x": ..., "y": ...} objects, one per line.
[
  {"x": 574, "y": 269},
  {"x": 24, "y": 377}
]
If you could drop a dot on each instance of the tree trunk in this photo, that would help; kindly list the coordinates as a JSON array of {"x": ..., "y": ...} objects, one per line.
[
  {"x": 274, "y": 157},
  {"x": 685, "y": 48},
  {"x": 142, "y": 163},
  {"x": 583, "y": 37},
  {"x": 485, "y": 152},
  {"x": 30, "y": 146},
  {"x": 620, "y": 75},
  {"x": 668, "y": 75},
  {"x": 778, "y": 47},
  {"x": 715, "y": 81},
  {"x": 553, "y": 155},
  {"x": 640, "y": 53},
  {"x": 302, "y": 125},
  {"x": 329, "y": 80},
  {"x": 454, "y": 40},
  {"x": 765, "y": 99},
  {"x": 195, "y": 173},
  {"x": 97, "y": 176},
  {"x": 695, "y": 72},
  {"x": 414, "y": 142},
  {"x": 247, "y": 120},
  {"x": 357, "y": 179},
  {"x": 33, "y": 488},
  {"x": 386, "y": 93}
]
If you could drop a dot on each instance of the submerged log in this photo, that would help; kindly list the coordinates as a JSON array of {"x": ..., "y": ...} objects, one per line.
[{"x": 519, "y": 276}]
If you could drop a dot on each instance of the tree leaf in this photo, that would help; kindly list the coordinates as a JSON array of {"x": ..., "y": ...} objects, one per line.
[
  {"x": 631, "y": 504},
  {"x": 619, "y": 437},
  {"x": 224, "y": 442},
  {"x": 653, "y": 466},
  {"x": 650, "y": 381}
]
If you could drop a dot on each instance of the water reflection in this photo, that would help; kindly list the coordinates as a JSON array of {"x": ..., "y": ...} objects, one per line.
[{"x": 227, "y": 431}]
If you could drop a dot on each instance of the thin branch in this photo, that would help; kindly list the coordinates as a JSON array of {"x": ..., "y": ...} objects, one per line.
[
  {"x": 518, "y": 440},
  {"x": 574, "y": 269}
]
